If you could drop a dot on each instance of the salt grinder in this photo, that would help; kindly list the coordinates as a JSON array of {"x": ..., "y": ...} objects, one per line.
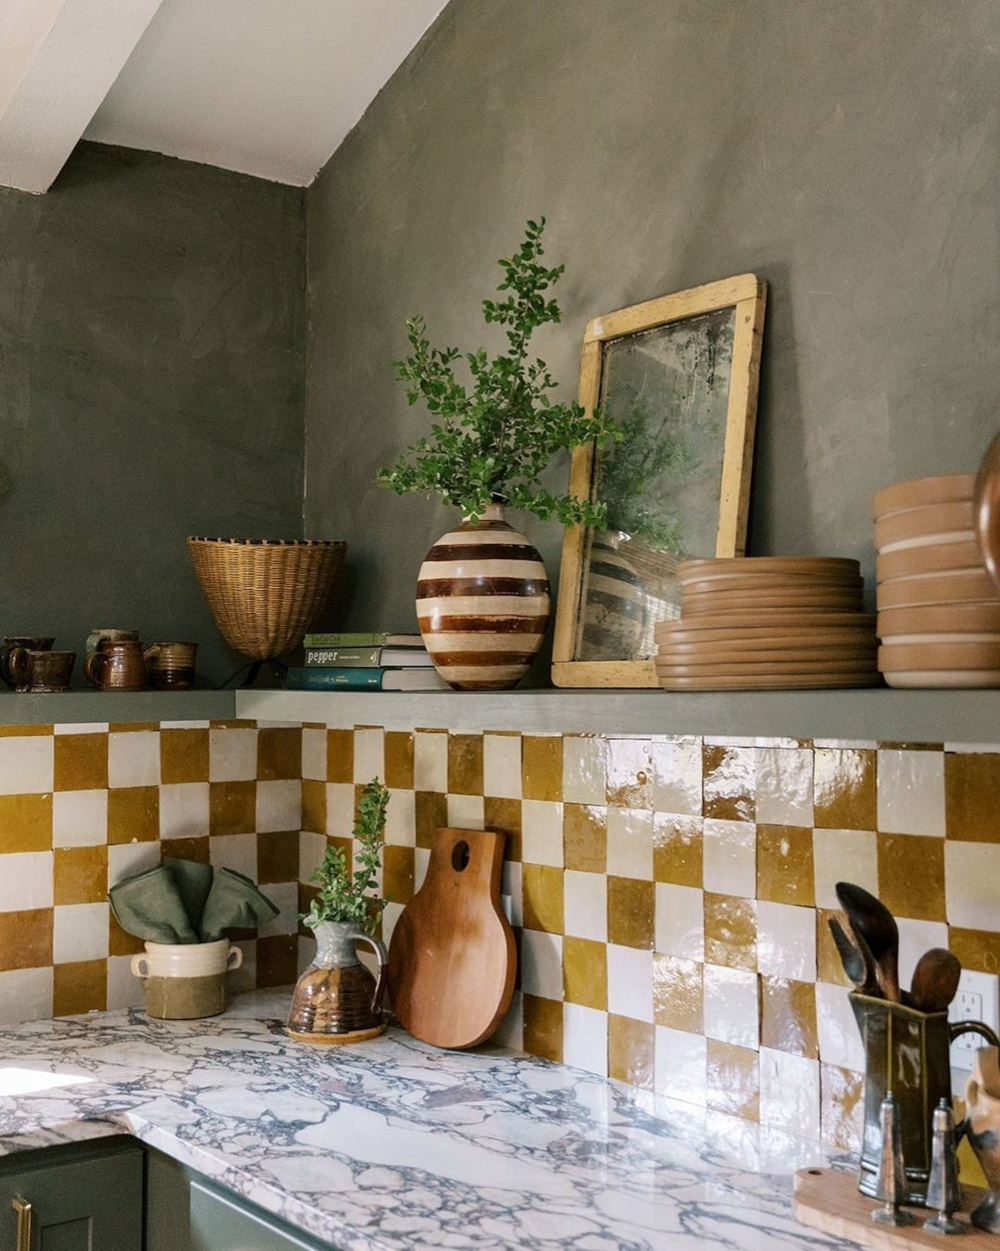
[
  {"x": 943, "y": 1190},
  {"x": 891, "y": 1170}
]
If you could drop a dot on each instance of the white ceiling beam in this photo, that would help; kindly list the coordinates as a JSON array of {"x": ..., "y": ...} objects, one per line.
[{"x": 58, "y": 60}]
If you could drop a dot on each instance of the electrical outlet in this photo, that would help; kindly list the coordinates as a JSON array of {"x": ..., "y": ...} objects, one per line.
[{"x": 978, "y": 999}]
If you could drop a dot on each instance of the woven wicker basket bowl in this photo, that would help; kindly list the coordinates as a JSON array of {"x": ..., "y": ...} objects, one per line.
[{"x": 265, "y": 593}]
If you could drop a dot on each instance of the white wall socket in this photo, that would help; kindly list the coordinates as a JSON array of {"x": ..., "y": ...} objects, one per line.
[{"x": 978, "y": 999}]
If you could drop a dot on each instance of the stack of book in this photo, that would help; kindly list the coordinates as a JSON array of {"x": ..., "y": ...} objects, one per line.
[{"x": 380, "y": 662}]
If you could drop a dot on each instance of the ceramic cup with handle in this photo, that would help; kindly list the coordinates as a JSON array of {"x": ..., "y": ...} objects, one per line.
[
  {"x": 34, "y": 642},
  {"x": 170, "y": 665},
  {"x": 186, "y": 981},
  {"x": 39, "y": 671},
  {"x": 99, "y": 635},
  {"x": 117, "y": 665}
]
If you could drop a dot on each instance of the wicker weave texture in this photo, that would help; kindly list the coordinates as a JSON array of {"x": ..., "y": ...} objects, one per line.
[{"x": 265, "y": 593}]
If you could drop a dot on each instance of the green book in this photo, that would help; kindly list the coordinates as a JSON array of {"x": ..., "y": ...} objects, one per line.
[
  {"x": 363, "y": 639},
  {"x": 366, "y": 657}
]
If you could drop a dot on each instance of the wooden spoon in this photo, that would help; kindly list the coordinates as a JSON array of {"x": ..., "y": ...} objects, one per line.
[
  {"x": 873, "y": 924},
  {"x": 935, "y": 980},
  {"x": 857, "y": 961}
]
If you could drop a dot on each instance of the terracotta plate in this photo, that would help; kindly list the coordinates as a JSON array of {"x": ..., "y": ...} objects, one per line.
[
  {"x": 766, "y": 619},
  {"x": 918, "y": 522},
  {"x": 748, "y": 566},
  {"x": 774, "y": 682},
  {"x": 952, "y": 588},
  {"x": 918, "y": 492},
  {"x": 768, "y": 583},
  {"x": 932, "y": 558},
  {"x": 715, "y": 668},
  {"x": 807, "y": 650},
  {"x": 911, "y": 657},
  {"x": 712, "y": 605},
  {"x": 940, "y": 619},
  {"x": 946, "y": 679}
]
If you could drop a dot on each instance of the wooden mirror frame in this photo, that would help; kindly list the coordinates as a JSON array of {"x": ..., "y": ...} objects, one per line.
[{"x": 748, "y": 294}]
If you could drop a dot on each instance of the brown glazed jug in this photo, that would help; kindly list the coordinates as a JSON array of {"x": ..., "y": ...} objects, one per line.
[
  {"x": 336, "y": 999},
  {"x": 32, "y": 642},
  {"x": 117, "y": 665}
]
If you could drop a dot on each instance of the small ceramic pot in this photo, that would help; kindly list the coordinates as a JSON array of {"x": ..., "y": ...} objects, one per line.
[
  {"x": 186, "y": 981},
  {"x": 96, "y": 637},
  {"x": 40, "y": 671},
  {"x": 483, "y": 604},
  {"x": 336, "y": 999},
  {"x": 170, "y": 666},
  {"x": 33, "y": 642},
  {"x": 117, "y": 666}
]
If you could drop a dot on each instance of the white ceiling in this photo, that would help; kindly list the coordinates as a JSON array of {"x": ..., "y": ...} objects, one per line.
[{"x": 265, "y": 87}]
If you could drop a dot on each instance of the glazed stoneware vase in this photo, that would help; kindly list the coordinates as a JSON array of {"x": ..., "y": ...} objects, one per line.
[
  {"x": 615, "y": 610},
  {"x": 982, "y": 1097},
  {"x": 483, "y": 604},
  {"x": 336, "y": 999}
]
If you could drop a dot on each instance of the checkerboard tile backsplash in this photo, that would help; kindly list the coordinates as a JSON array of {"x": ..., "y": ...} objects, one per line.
[{"x": 82, "y": 806}]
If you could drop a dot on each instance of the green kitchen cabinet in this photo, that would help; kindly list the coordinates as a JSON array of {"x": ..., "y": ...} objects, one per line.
[{"x": 73, "y": 1199}]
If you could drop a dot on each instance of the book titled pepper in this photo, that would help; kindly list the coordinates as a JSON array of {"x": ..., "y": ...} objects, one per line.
[
  {"x": 367, "y": 658},
  {"x": 361, "y": 678}
]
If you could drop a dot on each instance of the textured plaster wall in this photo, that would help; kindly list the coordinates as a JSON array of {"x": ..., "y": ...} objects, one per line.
[
  {"x": 846, "y": 150},
  {"x": 151, "y": 387}
]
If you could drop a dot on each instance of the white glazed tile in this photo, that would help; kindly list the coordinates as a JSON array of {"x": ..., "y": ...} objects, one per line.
[
  {"x": 502, "y": 766},
  {"x": 183, "y": 725},
  {"x": 279, "y": 806},
  {"x": 184, "y": 810},
  {"x": 541, "y": 964},
  {"x": 681, "y": 1070},
  {"x": 124, "y": 989},
  {"x": 369, "y": 755},
  {"x": 421, "y": 859},
  {"x": 25, "y": 881},
  {"x": 465, "y": 812},
  {"x": 340, "y": 809},
  {"x": 232, "y": 755},
  {"x": 839, "y": 1039},
  {"x": 585, "y": 905},
  {"x": 732, "y": 1008},
  {"x": 234, "y": 851},
  {"x": 971, "y": 873},
  {"x": 392, "y": 913},
  {"x": 314, "y": 755},
  {"x": 784, "y": 786},
  {"x": 789, "y": 1092},
  {"x": 400, "y": 819},
  {"x": 843, "y": 856},
  {"x": 127, "y": 859},
  {"x": 911, "y": 792},
  {"x": 730, "y": 858},
  {"x": 677, "y": 777},
  {"x": 916, "y": 937},
  {"x": 245, "y": 977},
  {"x": 312, "y": 849},
  {"x": 510, "y": 1031},
  {"x": 134, "y": 759},
  {"x": 430, "y": 762},
  {"x": 83, "y": 727},
  {"x": 630, "y": 982},
  {"x": 585, "y": 1038},
  {"x": 630, "y": 843},
  {"x": 512, "y": 892},
  {"x": 786, "y": 941},
  {"x": 25, "y": 995},
  {"x": 542, "y": 832},
  {"x": 585, "y": 770},
  {"x": 26, "y": 765},
  {"x": 79, "y": 818},
  {"x": 79, "y": 932},
  {"x": 680, "y": 921}
]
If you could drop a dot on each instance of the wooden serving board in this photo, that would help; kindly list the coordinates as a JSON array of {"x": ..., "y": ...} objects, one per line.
[
  {"x": 828, "y": 1199},
  {"x": 452, "y": 959}
]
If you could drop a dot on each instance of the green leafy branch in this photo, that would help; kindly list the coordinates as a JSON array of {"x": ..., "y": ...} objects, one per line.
[{"x": 345, "y": 898}]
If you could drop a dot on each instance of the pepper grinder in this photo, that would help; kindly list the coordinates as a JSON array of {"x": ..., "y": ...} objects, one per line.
[
  {"x": 943, "y": 1190},
  {"x": 891, "y": 1187}
]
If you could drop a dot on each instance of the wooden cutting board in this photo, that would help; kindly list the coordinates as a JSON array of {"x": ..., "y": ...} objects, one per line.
[{"x": 452, "y": 959}]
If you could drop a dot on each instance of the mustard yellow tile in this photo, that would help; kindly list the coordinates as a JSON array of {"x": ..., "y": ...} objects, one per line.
[
  {"x": 233, "y": 807},
  {"x": 277, "y": 960},
  {"x": 465, "y": 764},
  {"x": 729, "y": 782},
  {"x": 504, "y": 816},
  {"x": 132, "y": 727},
  {"x": 631, "y": 1051},
  {"x": 26, "y": 939},
  {"x": 976, "y": 949},
  {"x": 313, "y": 806},
  {"x": 398, "y": 873},
  {"x": 585, "y": 838},
  {"x": 733, "y": 1080},
  {"x": 80, "y": 762},
  {"x": 196, "y": 848},
  {"x": 279, "y": 754},
  {"x": 26, "y": 731},
  {"x": 431, "y": 813},
  {"x": 971, "y": 787},
  {"x": 25, "y": 823},
  {"x": 119, "y": 942},
  {"x": 80, "y": 987},
  {"x": 543, "y": 1028},
  {"x": 80, "y": 874},
  {"x": 542, "y": 886},
  {"x": 277, "y": 856},
  {"x": 911, "y": 875},
  {"x": 828, "y": 963},
  {"x": 184, "y": 755},
  {"x": 844, "y": 792},
  {"x": 585, "y": 972},
  {"x": 399, "y": 760},
  {"x": 631, "y": 909},
  {"x": 731, "y": 931},
  {"x": 785, "y": 865},
  {"x": 630, "y": 773},
  {"x": 841, "y": 1107},
  {"x": 678, "y": 993},
  {"x": 677, "y": 849},
  {"x": 340, "y": 755},
  {"x": 542, "y": 767},
  {"x": 134, "y": 814},
  {"x": 788, "y": 1016}
]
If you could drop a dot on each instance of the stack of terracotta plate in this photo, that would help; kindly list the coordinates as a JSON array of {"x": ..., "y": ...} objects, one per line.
[
  {"x": 938, "y": 612},
  {"x": 770, "y": 622}
]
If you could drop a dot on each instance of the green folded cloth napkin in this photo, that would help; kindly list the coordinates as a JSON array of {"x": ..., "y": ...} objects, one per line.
[{"x": 182, "y": 901}]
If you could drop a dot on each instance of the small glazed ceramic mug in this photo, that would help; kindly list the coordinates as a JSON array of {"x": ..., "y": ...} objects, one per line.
[
  {"x": 39, "y": 671},
  {"x": 117, "y": 666},
  {"x": 97, "y": 636},
  {"x": 170, "y": 665},
  {"x": 186, "y": 981},
  {"x": 33, "y": 642}
]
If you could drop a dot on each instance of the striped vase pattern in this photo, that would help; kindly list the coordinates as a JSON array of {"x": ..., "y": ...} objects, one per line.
[
  {"x": 483, "y": 604},
  {"x": 614, "y": 617}
]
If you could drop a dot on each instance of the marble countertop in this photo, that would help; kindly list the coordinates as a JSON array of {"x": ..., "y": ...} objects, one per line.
[{"x": 392, "y": 1144}]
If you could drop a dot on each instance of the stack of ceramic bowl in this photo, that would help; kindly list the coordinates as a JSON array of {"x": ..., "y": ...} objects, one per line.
[
  {"x": 774, "y": 622},
  {"x": 938, "y": 611}
]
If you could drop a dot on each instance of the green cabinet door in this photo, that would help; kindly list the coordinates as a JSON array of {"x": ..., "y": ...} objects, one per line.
[
  {"x": 220, "y": 1224},
  {"x": 93, "y": 1203}
]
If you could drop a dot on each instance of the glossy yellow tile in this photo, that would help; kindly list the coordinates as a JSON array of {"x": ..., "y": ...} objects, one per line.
[
  {"x": 542, "y": 887},
  {"x": 844, "y": 788},
  {"x": 733, "y": 1080},
  {"x": 585, "y": 972},
  {"x": 631, "y": 912},
  {"x": 399, "y": 760},
  {"x": 80, "y": 874},
  {"x": 504, "y": 816},
  {"x": 542, "y": 767},
  {"x": 279, "y": 754},
  {"x": 785, "y": 864},
  {"x": 25, "y": 823},
  {"x": 730, "y": 931},
  {"x": 543, "y": 1028},
  {"x": 184, "y": 756},
  {"x": 134, "y": 814},
  {"x": 431, "y": 813},
  {"x": 585, "y": 837},
  {"x": 729, "y": 782},
  {"x": 79, "y": 987},
  {"x": 80, "y": 762},
  {"x": 911, "y": 875},
  {"x": 972, "y": 785},
  {"x": 465, "y": 764},
  {"x": 677, "y": 849},
  {"x": 631, "y": 1051},
  {"x": 340, "y": 755},
  {"x": 678, "y": 993}
]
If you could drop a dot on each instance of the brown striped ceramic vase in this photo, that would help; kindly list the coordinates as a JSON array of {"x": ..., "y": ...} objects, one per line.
[{"x": 483, "y": 604}]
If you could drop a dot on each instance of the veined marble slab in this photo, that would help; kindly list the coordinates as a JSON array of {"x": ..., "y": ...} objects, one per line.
[{"x": 392, "y": 1144}]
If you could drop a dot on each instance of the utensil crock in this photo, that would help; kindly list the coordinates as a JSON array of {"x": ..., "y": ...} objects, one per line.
[{"x": 186, "y": 981}]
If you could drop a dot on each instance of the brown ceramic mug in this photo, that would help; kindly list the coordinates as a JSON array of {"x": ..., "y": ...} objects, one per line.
[
  {"x": 36, "y": 670},
  {"x": 117, "y": 666},
  {"x": 98, "y": 636},
  {"x": 170, "y": 665},
  {"x": 35, "y": 643}
]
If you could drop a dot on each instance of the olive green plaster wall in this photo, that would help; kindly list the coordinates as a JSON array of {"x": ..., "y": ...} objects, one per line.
[
  {"x": 151, "y": 387},
  {"x": 846, "y": 150}
]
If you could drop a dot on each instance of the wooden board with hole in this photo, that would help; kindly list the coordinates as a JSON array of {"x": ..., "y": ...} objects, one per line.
[
  {"x": 829, "y": 1200},
  {"x": 452, "y": 958}
]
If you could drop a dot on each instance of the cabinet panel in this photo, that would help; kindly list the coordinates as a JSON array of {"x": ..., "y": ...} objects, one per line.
[{"x": 220, "y": 1225}]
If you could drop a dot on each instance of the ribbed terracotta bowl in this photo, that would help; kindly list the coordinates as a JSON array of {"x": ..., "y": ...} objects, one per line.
[{"x": 265, "y": 593}]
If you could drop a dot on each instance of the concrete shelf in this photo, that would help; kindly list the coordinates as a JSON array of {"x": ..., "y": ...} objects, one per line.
[
  {"x": 97, "y": 707},
  {"x": 881, "y": 715}
]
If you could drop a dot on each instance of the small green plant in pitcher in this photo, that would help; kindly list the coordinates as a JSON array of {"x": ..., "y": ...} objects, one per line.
[{"x": 345, "y": 897}]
